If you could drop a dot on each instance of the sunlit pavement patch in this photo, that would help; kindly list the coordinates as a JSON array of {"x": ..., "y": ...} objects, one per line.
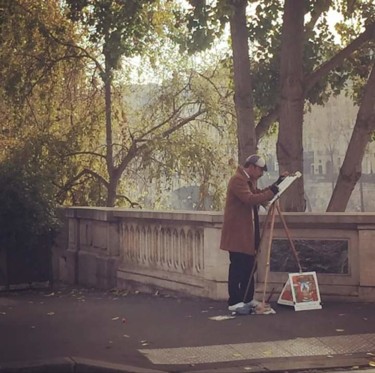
[{"x": 344, "y": 344}]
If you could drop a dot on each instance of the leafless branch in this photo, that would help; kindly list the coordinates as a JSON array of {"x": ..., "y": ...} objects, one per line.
[
  {"x": 84, "y": 153},
  {"x": 336, "y": 60},
  {"x": 73, "y": 181},
  {"x": 132, "y": 204},
  {"x": 313, "y": 78}
]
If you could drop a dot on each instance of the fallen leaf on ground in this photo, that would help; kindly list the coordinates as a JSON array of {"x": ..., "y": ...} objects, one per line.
[{"x": 267, "y": 352}]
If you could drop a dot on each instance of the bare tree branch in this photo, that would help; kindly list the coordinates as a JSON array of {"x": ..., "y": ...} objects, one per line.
[
  {"x": 132, "y": 204},
  {"x": 313, "y": 78},
  {"x": 266, "y": 122},
  {"x": 184, "y": 122},
  {"x": 337, "y": 59},
  {"x": 64, "y": 43},
  {"x": 70, "y": 183},
  {"x": 134, "y": 149},
  {"x": 84, "y": 153}
]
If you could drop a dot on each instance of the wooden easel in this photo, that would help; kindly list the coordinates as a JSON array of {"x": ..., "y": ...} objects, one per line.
[
  {"x": 275, "y": 207},
  {"x": 270, "y": 220}
]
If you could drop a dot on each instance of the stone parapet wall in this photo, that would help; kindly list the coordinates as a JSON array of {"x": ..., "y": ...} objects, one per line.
[{"x": 152, "y": 250}]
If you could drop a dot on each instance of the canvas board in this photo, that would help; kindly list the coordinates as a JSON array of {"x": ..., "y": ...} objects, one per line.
[
  {"x": 286, "y": 295},
  {"x": 284, "y": 185}
]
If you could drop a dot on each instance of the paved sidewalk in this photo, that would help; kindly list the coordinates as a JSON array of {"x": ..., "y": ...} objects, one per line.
[{"x": 84, "y": 330}]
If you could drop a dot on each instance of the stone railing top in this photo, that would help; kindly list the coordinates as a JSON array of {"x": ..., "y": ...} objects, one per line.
[
  {"x": 328, "y": 220},
  {"x": 107, "y": 213}
]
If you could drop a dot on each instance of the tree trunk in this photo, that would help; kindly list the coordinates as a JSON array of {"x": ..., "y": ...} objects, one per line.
[
  {"x": 112, "y": 192},
  {"x": 112, "y": 185},
  {"x": 351, "y": 169},
  {"x": 243, "y": 95},
  {"x": 290, "y": 141}
]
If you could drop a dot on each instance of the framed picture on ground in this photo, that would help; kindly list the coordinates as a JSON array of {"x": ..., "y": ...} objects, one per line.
[{"x": 301, "y": 291}]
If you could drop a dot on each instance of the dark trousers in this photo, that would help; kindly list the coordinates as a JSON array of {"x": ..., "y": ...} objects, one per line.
[{"x": 240, "y": 268}]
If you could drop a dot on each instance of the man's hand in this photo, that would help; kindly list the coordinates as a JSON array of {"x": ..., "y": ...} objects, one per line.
[
  {"x": 282, "y": 177},
  {"x": 274, "y": 189}
]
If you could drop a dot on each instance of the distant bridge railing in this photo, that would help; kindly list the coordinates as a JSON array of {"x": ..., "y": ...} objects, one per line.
[{"x": 179, "y": 251}]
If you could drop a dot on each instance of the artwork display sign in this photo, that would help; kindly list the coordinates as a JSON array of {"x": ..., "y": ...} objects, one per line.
[{"x": 301, "y": 291}]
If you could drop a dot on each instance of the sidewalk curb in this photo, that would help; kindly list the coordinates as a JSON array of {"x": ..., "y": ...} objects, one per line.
[
  {"x": 355, "y": 362},
  {"x": 71, "y": 365},
  {"x": 58, "y": 365},
  {"x": 299, "y": 364}
]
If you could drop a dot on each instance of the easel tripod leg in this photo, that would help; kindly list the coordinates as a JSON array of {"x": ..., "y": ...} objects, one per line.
[
  {"x": 268, "y": 257},
  {"x": 289, "y": 237},
  {"x": 256, "y": 255}
]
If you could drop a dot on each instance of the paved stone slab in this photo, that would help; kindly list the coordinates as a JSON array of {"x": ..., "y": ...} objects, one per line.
[
  {"x": 113, "y": 327},
  {"x": 290, "y": 348}
]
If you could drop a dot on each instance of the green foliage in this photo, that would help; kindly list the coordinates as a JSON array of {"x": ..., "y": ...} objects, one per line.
[
  {"x": 27, "y": 215},
  {"x": 204, "y": 24},
  {"x": 122, "y": 28},
  {"x": 52, "y": 105},
  {"x": 265, "y": 28},
  {"x": 53, "y": 112},
  {"x": 189, "y": 157},
  {"x": 29, "y": 47}
]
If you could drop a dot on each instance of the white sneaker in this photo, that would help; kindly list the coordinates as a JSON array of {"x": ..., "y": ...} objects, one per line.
[{"x": 237, "y": 306}]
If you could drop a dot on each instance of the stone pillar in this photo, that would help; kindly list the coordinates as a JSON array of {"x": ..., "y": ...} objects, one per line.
[
  {"x": 215, "y": 263},
  {"x": 366, "y": 248}
]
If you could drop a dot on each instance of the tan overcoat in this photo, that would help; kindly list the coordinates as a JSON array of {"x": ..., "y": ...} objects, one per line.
[{"x": 238, "y": 228}]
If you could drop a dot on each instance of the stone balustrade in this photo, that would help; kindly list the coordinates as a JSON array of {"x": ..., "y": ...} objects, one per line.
[{"x": 152, "y": 250}]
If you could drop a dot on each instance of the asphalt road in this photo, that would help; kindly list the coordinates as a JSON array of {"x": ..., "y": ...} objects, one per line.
[{"x": 118, "y": 327}]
